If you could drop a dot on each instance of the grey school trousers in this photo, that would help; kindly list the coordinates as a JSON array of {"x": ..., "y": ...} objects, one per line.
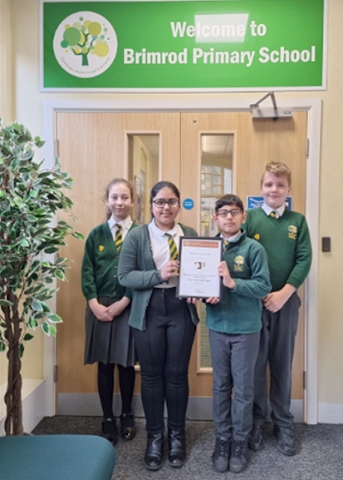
[
  {"x": 276, "y": 348},
  {"x": 233, "y": 362}
]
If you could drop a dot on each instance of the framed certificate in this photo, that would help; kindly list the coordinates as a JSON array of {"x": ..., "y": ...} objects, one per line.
[{"x": 198, "y": 274}]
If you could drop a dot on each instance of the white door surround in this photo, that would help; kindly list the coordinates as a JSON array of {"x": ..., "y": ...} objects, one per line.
[{"x": 313, "y": 106}]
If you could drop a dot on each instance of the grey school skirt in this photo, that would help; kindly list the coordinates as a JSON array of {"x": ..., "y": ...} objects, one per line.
[{"x": 109, "y": 342}]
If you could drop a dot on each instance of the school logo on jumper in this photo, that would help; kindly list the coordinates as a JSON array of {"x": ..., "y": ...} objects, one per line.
[
  {"x": 101, "y": 248},
  {"x": 292, "y": 232},
  {"x": 85, "y": 44},
  {"x": 257, "y": 236},
  {"x": 238, "y": 263}
]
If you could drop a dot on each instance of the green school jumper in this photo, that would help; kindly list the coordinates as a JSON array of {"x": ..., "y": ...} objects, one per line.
[{"x": 287, "y": 242}]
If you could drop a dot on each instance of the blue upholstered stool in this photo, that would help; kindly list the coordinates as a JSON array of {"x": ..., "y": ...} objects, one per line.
[{"x": 56, "y": 457}]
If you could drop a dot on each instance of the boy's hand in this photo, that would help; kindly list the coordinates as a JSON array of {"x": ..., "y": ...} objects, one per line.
[
  {"x": 274, "y": 301},
  {"x": 224, "y": 272},
  {"x": 192, "y": 300},
  {"x": 212, "y": 300}
]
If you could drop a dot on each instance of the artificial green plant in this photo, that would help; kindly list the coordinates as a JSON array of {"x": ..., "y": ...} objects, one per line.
[{"x": 30, "y": 238}]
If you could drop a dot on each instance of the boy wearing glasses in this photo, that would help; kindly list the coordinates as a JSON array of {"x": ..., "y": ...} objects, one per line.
[
  {"x": 285, "y": 236},
  {"x": 234, "y": 323}
]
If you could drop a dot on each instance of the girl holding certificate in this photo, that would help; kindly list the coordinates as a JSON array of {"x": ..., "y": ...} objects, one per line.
[{"x": 163, "y": 325}]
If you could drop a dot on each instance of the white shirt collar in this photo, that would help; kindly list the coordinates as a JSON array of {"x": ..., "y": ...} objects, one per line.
[
  {"x": 279, "y": 211},
  {"x": 234, "y": 237},
  {"x": 160, "y": 232},
  {"x": 126, "y": 223}
]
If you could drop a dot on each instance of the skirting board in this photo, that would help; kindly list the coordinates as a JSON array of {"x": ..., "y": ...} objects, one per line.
[
  {"x": 330, "y": 413},
  {"x": 199, "y": 408},
  {"x": 33, "y": 400}
]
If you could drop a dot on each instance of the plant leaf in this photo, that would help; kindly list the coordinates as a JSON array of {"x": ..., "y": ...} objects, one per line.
[
  {"x": 59, "y": 274},
  {"x": 53, "y": 330},
  {"x": 24, "y": 243},
  {"x": 28, "y": 337},
  {"x": 54, "y": 318},
  {"x": 46, "y": 328},
  {"x": 37, "y": 306},
  {"x": 5, "y": 303}
]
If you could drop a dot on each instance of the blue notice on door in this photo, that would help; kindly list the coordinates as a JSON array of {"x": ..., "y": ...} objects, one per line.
[
  {"x": 188, "y": 204},
  {"x": 254, "y": 201}
]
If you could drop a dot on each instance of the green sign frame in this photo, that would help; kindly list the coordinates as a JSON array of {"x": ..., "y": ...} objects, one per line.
[{"x": 183, "y": 46}]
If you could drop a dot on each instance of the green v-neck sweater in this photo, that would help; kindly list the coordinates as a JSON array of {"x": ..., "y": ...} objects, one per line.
[{"x": 287, "y": 243}]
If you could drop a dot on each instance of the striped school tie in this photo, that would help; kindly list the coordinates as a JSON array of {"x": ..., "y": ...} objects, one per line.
[
  {"x": 226, "y": 245},
  {"x": 172, "y": 247},
  {"x": 118, "y": 240},
  {"x": 273, "y": 214}
]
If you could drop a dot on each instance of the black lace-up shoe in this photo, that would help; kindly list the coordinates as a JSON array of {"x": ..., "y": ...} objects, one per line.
[
  {"x": 239, "y": 456},
  {"x": 221, "y": 455}
]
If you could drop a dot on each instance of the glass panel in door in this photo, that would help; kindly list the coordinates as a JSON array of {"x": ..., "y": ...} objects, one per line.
[{"x": 143, "y": 161}]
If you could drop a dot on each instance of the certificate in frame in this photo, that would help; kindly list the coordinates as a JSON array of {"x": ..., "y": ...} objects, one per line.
[{"x": 198, "y": 274}]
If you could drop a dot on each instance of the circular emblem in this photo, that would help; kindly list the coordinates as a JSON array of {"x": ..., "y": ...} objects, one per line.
[
  {"x": 85, "y": 44},
  {"x": 188, "y": 204}
]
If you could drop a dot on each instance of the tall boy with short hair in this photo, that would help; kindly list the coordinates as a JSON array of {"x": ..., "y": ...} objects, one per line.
[
  {"x": 285, "y": 236},
  {"x": 234, "y": 324}
]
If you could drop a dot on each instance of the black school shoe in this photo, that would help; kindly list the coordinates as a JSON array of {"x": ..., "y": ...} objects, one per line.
[
  {"x": 177, "y": 447},
  {"x": 255, "y": 441},
  {"x": 221, "y": 455},
  {"x": 239, "y": 456},
  {"x": 127, "y": 426},
  {"x": 154, "y": 451},
  {"x": 285, "y": 439},
  {"x": 109, "y": 430}
]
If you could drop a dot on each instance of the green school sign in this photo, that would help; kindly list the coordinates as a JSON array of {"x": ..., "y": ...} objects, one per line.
[{"x": 183, "y": 45}]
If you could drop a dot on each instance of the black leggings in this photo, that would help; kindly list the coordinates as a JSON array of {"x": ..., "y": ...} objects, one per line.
[
  {"x": 164, "y": 350},
  {"x": 106, "y": 386}
]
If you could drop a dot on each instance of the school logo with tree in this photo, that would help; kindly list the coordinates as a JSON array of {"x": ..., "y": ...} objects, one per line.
[{"x": 85, "y": 44}]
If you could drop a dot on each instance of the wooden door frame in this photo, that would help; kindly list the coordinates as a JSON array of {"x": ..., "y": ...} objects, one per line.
[{"x": 190, "y": 103}]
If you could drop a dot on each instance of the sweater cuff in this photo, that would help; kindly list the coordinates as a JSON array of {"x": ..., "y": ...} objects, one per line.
[
  {"x": 90, "y": 296},
  {"x": 159, "y": 277}
]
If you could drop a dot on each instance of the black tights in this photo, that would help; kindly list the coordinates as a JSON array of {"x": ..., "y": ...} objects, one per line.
[{"x": 106, "y": 386}]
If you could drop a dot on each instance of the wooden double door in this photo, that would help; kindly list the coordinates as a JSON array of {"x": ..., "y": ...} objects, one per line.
[{"x": 95, "y": 147}]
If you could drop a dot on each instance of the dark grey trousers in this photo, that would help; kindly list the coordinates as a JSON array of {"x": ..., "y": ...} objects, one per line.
[
  {"x": 233, "y": 361},
  {"x": 164, "y": 350},
  {"x": 276, "y": 348}
]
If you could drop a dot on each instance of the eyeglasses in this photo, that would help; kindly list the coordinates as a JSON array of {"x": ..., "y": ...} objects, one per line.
[
  {"x": 224, "y": 213},
  {"x": 161, "y": 202}
]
